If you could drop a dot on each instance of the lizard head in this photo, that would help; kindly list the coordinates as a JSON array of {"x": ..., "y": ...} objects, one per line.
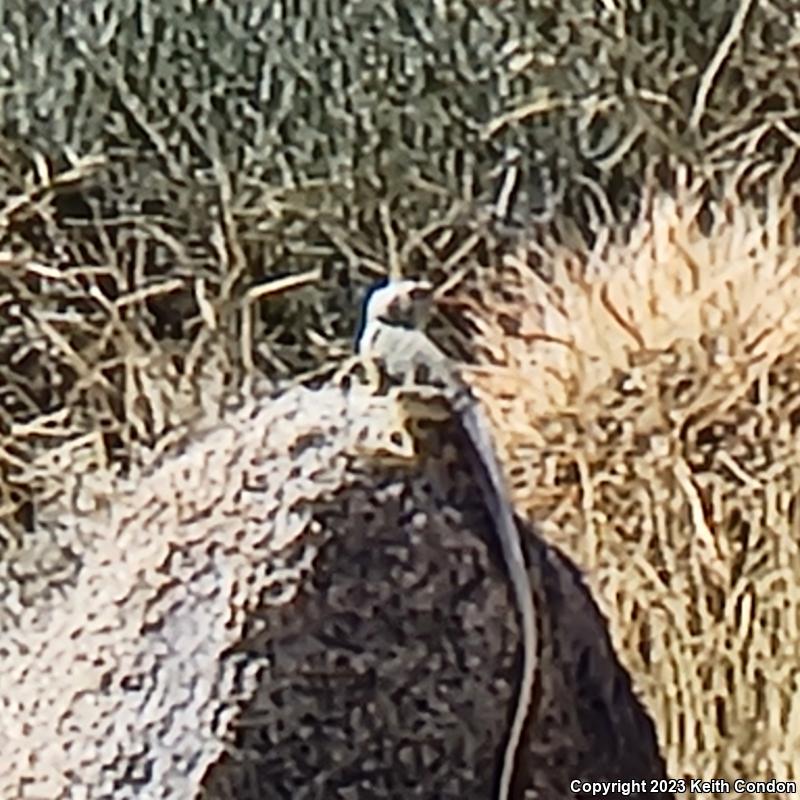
[
  {"x": 403, "y": 302},
  {"x": 406, "y": 303}
]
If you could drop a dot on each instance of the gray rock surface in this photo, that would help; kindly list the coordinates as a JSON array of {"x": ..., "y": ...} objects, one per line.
[{"x": 269, "y": 611}]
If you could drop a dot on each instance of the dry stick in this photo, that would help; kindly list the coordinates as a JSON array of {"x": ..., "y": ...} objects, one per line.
[
  {"x": 391, "y": 242},
  {"x": 284, "y": 284},
  {"x": 721, "y": 53}
]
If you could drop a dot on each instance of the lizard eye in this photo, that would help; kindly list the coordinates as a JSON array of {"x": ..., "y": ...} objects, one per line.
[
  {"x": 422, "y": 374},
  {"x": 420, "y": 292}
]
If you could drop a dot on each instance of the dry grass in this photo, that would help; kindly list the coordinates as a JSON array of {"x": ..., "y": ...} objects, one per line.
[
  {"x": 647, "y": 395},
  {"x": 649, "y": 407},
  {"x": 145, "y": 203}
]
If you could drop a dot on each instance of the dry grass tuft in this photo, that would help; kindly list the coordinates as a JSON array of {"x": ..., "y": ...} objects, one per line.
[{"x": 648, "y": 401}]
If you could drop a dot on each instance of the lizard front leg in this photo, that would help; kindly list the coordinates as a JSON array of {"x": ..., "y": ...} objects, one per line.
[
  {"x": 348, "y": 373},
  {"x": 392, "y": 432},
  {"x": 383, "y": 427},
  {"x": 393, "y": 445}
]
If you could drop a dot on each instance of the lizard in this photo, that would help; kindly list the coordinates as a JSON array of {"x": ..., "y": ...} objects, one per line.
[{"x": 392, "y": 337}]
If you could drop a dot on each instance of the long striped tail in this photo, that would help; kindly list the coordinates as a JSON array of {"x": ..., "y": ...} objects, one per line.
[{"x": 499, "y": 506}]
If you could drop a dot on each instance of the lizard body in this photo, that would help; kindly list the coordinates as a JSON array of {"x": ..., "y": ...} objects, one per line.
[{"x": 393, "y": 336}]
